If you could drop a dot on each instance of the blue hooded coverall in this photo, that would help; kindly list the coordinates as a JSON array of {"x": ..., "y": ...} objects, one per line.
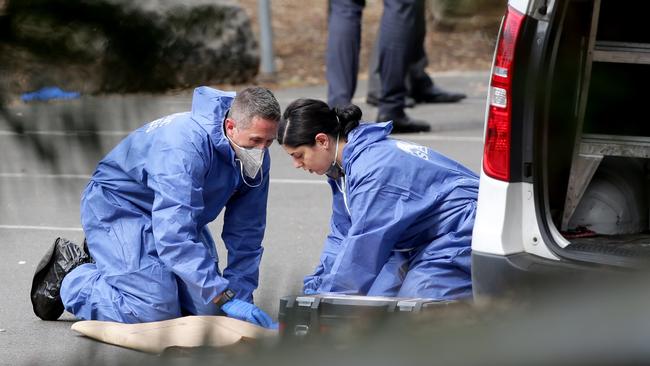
[
  {"x": 145, "y": 213},
  {"x": 401, "y": 224}
]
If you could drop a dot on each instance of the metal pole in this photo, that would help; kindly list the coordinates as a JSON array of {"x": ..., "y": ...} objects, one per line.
[{"x": 266, "y": 38}]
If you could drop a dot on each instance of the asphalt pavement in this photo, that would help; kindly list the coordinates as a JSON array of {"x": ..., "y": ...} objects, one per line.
[{"x": 49, "y": 150}]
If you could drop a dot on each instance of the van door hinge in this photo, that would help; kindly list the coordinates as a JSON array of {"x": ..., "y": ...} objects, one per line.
[{"x": 528, "y": 170}]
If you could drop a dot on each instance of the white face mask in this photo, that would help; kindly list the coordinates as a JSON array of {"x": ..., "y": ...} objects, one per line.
[{"x": 251, "y": 159}]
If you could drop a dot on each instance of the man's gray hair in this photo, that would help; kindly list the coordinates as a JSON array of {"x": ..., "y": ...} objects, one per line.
[{"x": 252, "y": 102}]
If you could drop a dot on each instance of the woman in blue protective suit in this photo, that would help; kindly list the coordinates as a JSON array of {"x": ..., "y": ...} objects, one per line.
[{"x": 402, "y": 213}]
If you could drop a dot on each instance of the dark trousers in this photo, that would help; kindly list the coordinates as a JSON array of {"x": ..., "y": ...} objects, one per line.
[
  {"x": 397, "y": 39},
  {"x": 417, "y": 81}
]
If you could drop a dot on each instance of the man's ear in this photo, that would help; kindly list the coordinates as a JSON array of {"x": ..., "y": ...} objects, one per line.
[
  {"x": 322, "y": 140},
  {"x": 229, "y": 125}
]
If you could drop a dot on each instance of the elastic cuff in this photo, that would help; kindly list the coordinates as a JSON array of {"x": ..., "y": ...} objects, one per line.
[{"x": 209, "y": 294}]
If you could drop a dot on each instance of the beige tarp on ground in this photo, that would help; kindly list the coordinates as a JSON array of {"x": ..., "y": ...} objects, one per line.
[{"x": 189, "y": 331}]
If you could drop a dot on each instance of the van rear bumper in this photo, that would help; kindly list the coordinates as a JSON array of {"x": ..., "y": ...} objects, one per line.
[{"x": 520, "y": 275}]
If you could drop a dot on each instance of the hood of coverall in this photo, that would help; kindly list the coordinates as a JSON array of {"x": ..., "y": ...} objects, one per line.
[
  {"x": 209, "y": 109},
  {"x": 363, "y": 136}
]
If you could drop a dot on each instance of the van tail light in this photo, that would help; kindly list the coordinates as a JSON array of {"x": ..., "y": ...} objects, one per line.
[{"x": 496, "y": 154}]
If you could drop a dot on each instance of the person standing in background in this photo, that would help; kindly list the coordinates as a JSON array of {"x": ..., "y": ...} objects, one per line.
[
  {"x": 399, "y": 45},
  {"x": 420, "y": 88}
]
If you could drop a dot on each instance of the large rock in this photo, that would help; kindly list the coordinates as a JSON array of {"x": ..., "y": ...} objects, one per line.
[{"x": 124, "y": 46}]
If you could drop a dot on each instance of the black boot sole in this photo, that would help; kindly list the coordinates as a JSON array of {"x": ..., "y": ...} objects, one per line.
[
  {"x": 60, "y": 259},
  {"x": 50, "y": 306}
]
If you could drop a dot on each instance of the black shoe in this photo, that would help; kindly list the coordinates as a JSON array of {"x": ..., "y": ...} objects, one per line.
[
  {"x": 438, "y": 95},
  {"x": 62, "y": 257},
  {"x": 373, "y": 99},
  {"x": 404, "y": 124}
]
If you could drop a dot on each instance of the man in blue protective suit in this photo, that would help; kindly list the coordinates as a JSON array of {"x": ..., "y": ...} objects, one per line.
[
  {"x": 402, "y": 214},
  {"x": 150, "y": 255}
]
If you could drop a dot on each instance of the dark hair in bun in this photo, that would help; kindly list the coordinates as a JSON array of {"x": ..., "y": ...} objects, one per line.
[{"x": 303, "y": 119}]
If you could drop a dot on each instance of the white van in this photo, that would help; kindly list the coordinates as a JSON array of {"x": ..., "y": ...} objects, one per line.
[{"x": 567, "y": 144}]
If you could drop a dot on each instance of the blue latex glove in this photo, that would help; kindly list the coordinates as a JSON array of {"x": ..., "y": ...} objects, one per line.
[
  {"x": 246, "y": 311},
  {"x": 49, "y": 93}
]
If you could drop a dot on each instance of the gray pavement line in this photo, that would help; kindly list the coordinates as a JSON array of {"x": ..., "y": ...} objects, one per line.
[
  {"x": 46, "y": 176},
  {"x": 298, "y": 181},
  {"x": 457, "y": 73},
  {"x": 431, "y": 137},
  {"x": 86, "y": 177},
  {"x": 34, "y": 227},
  {"x": 421, "y": 137},
  {"x": 64, "y": 133},
  {"x": 471, "y": 99}
]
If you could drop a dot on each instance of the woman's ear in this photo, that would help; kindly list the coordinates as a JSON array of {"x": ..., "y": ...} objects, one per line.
[{"x": 322, "y": 140}]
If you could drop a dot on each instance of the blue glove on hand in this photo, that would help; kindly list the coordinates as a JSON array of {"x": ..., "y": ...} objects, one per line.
[{"x": 246, "y": 311}]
